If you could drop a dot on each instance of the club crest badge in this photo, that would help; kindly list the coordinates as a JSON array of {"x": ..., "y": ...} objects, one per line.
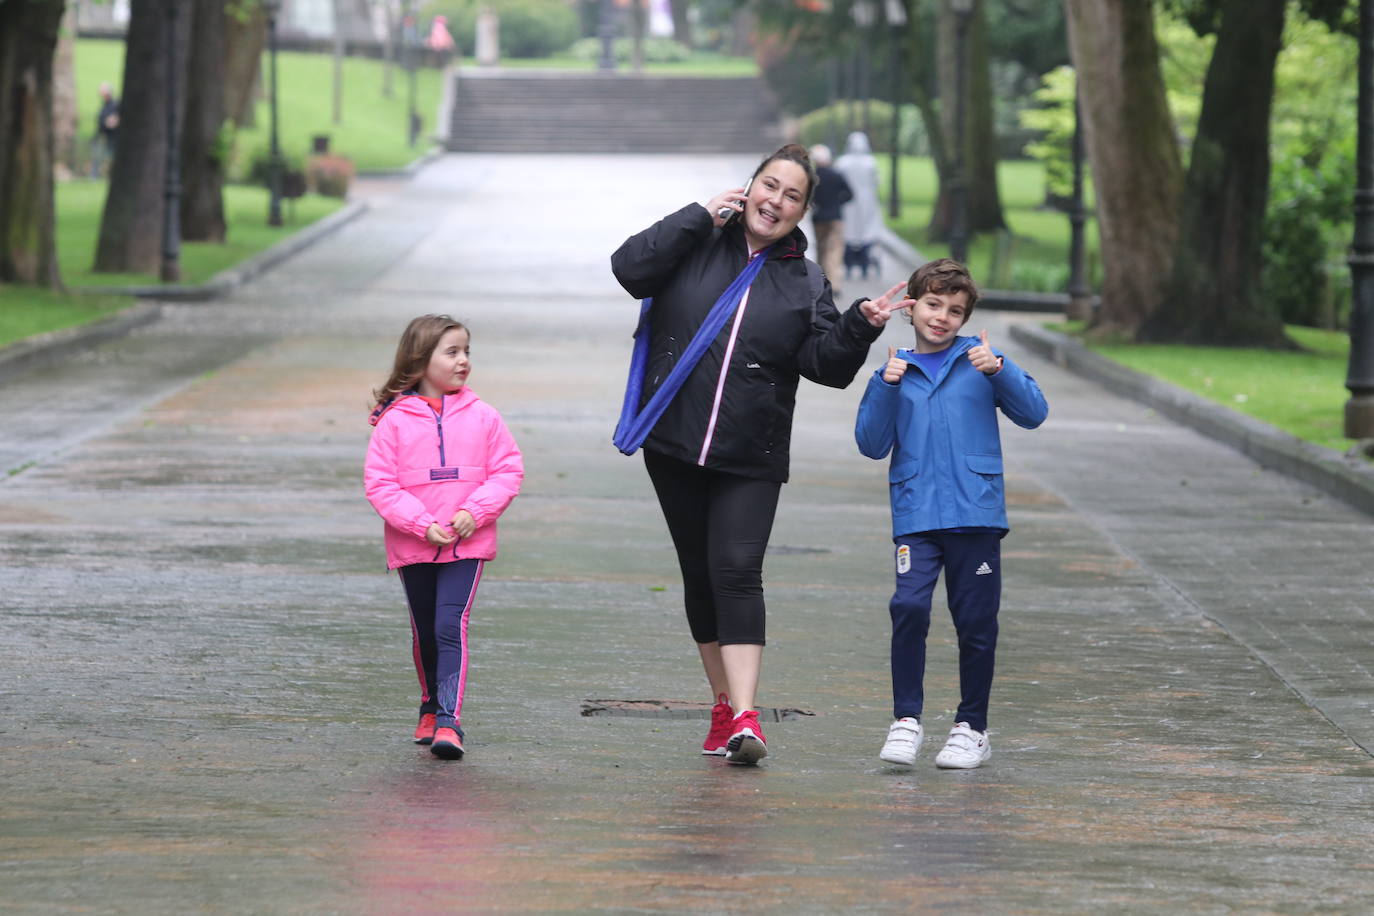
[{"x": 903, "y": 559}]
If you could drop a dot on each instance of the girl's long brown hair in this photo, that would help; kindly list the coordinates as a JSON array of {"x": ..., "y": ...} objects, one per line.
[{"x": 413, "y": 351}]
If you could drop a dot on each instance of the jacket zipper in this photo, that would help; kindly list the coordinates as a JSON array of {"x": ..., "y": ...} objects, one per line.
[
  {"x": 724, "y": 369},
  {"x": 439, "y": 425}
]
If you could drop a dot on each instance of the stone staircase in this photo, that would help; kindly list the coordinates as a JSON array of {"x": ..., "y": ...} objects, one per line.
[{"x": 574, "y": 112}]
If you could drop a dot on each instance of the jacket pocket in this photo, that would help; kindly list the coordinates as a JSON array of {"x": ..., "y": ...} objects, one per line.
[
  {"x": 901, "y": 480},
  {"x": 761, "y": 416},
  {"x": 660, "y": 364},
  {"x": 987, "y": 490}
]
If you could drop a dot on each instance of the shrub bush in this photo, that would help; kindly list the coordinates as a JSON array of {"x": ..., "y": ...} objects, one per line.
[
  {"x": 656, "y": 50},
  {"x": 329, "y": 174},
  {"x": 816, "y": 127},
  {"x": 259, "y": 169},
  {"x": 1306, "y": 228},
  {"x": 529, "y": 28}
]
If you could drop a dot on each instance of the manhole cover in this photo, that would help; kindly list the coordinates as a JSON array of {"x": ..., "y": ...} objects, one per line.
[{"x": 677, "y": 709}]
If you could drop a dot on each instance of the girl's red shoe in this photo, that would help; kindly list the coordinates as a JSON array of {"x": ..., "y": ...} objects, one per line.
[
  {"x": 447, "y": 744},
  {"x": 424, "y": 732}
]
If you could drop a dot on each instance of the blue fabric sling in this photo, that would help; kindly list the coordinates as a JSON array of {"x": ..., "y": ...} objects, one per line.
[{"x": 633, "y": 428}]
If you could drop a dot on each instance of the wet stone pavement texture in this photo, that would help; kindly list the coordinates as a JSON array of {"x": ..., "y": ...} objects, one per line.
[{"x": 205, "y": 678}]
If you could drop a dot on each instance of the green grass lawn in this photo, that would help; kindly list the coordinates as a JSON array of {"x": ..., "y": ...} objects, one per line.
[
  {"x": 1301, "y": 393},
  {"x": 1032, "y": 257},
  {"x": 80, "y": 203},
  {"x": 25, "y": 311},
  {"x": 372, "y": 132}
]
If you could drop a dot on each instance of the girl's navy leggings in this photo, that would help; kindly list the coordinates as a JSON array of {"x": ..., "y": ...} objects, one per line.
[
  {"x": 720, "y": 525},
  {"x": 973, "y": 585},
  {"x": 440, "y": 596}
]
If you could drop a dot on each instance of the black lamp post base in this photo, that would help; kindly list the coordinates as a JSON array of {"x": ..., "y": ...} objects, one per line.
[
  {"x": 1080, "y": 308},
  {"x": 1359, "y": 417}
]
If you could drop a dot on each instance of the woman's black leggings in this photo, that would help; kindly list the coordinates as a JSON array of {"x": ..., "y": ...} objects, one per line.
[{"x": 720, "y": 525}]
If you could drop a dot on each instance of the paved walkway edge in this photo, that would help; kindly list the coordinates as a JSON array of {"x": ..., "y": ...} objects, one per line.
[
  {"x": 233, "y": 277},
  {"x": 21, "y": 356},
  {"x": 1347, "y": 479}
]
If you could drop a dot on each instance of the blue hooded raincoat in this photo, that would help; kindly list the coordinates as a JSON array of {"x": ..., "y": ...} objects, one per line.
[{"x": 946, "y": 469}]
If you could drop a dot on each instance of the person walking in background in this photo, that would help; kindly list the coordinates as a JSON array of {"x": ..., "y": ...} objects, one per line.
[
  {"x": 106, "y": 131},
  {"x": 441, "y": 468},
  {"x": 737, "y": 316},
  {"x": 862, "y": 215},
  {"x": 934, "y": 408},
  {"x": 439, "y": 41},
  {"x": 832, "y": 193}
]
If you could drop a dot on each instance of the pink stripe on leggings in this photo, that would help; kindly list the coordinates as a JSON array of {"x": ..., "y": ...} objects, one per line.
[{"x": 463, "y": 636}]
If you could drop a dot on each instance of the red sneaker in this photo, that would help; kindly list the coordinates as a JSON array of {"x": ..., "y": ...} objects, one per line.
[
  {"x": 447, "y": 744},
  {"x": 746, "y": 744},
  {"x": 722, "y": 717},
  {"x": 424, "y": 732}
]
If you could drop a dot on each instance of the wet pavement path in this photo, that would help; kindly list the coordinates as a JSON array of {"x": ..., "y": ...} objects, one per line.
[{"x": 205, "y": 679}]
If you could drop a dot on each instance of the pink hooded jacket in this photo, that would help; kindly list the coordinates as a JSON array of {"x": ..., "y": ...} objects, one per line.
[{"x": 423, "y": 466}]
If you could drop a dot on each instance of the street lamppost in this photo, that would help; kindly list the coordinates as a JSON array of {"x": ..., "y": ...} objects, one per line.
[
  {"x": 1080, "y": 296},
  {"x": 863, "y": 13},
  {"x": 410, "y": 39},
  {"x": 1359, "y": 410},
  {"x": 606, "y": 29},
  {"x": 896, "y": 21},
  {"x": 273, "y": 9},
  {"x": 958, "y": 186},
  {"x": 170, "y": 266}
]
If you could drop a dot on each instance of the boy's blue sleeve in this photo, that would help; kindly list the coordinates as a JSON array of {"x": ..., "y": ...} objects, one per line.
[
  {"x": 875, "y": 428},
  {"x": 1018, "y": 395}
]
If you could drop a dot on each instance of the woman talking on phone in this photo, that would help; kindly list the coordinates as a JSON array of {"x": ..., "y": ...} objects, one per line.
[{"x": 734, "y": 315}]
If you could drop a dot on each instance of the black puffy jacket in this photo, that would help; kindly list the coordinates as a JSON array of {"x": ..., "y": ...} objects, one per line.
[{"x": 685, "y": 263}]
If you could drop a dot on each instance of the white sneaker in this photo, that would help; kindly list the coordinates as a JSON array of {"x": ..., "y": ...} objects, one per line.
[
  {"x": 965, "y": 749},
  {"x": 903, "y": 742}
]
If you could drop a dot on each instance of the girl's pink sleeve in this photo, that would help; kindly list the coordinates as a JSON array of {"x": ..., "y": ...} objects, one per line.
[
  {"x": 505, "y": 471},
  {"x": 396, "y": 506}
]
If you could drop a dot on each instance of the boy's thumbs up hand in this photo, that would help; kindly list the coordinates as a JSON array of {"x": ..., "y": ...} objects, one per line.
[
  {"x": 895, "y": 368},
  {"x": 982, "y": 356}
]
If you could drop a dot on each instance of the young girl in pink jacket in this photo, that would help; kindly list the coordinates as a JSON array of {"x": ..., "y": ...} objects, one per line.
[{"x": 441, "y": 467}]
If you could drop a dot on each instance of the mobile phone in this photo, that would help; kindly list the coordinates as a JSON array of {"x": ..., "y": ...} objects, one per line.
[{"x": 729, "y": 213}]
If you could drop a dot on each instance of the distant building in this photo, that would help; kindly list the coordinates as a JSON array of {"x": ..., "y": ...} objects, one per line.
[{"x": 300, "y": 22}]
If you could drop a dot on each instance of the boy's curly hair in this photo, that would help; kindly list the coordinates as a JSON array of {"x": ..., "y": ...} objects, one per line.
[{"x": 943, "y": 275}]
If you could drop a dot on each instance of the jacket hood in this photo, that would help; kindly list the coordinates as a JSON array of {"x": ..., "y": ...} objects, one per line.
[
  {"x": 857, "y": 142},
  {"x": 412, "y": 402},
  {"x": 959, "y": 345}
]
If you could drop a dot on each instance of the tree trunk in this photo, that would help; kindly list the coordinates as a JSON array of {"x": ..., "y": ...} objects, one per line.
[
  {"x": 742, "y": 25},
  {"x": 131, "y": 224},
  {"x": 918, "y": 75},
  {"x": 984, "y": 200},
  {"x": 1213, "y": 295},
  {"x": 28, "y": 41},
  {"x": 64, "y": 107},
  {"x": 244, "y": 38},
  {"x": 1129, "y": 136},
  {"x": 202, "y": 149},
  {"x": 978, "y": 152},
  {"x": 682, "y": 25}
]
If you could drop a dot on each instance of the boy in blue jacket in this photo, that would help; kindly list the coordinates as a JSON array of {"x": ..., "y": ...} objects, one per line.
[{"x": 935, "y": 408}]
